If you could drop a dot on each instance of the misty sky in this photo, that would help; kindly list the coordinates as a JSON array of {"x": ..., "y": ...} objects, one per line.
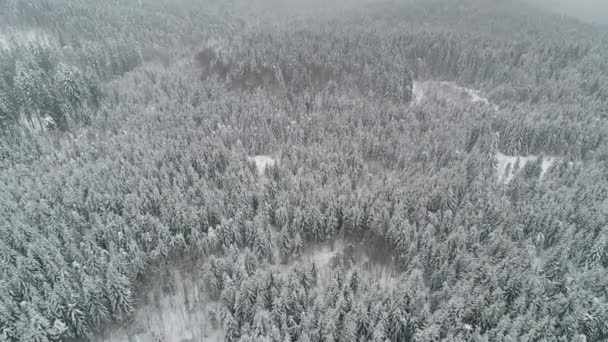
[{"x": 588, "y": 10}]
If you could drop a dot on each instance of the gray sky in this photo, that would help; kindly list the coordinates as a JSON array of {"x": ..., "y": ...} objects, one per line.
[{"x": 589, "y": 10}]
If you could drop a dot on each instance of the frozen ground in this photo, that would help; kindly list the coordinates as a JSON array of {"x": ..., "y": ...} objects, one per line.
[{"x": 503, "y": 162}]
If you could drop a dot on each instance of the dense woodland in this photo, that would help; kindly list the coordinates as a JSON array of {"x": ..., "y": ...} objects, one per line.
[{"x": 127, "y": 129}]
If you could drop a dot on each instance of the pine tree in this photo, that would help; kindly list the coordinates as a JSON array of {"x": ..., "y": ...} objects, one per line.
[
  {"x": 354, "y": 282},
  {"x": 97, "y": 306},
  {"x": 230, "y": 327},
  {"x": 379, "y": 332},
  {"x": 77, "y": 321},
  {"x": 32, "y": 91},
  {"x": 285, "y": 247},
  {"x": 118, "y": 291},
  {"x": 349, "y": 330},
  {"x": 8, "y": 114},
  {"x": 297, "y": 246}
]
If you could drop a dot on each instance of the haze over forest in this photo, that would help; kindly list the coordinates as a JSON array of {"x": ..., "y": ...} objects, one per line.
[{"x": 594, "y": 11}]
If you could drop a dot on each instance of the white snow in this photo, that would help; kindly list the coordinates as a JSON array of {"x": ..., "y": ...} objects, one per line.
[
  {"x": 504, "y": 160},
  {"x": 262, "y": 162},
  {"x": 323, "y": 254}
]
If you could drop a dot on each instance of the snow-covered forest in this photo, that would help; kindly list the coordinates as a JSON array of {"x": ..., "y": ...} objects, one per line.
[{"x": 265, "y": 170}]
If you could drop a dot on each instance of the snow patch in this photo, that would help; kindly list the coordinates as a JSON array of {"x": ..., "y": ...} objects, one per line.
[
  {"x": 505, "y": 166},
  {"x": 262, "y": 162},
  {"x": 418, "y": 92}
]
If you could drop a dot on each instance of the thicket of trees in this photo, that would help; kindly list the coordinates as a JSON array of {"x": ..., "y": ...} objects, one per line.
[
  {"x": 47, "y": 87},
  {"x": 144, "y": 163}
]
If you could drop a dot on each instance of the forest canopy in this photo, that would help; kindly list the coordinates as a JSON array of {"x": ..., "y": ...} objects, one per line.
[{"x": 286, "y": 171}]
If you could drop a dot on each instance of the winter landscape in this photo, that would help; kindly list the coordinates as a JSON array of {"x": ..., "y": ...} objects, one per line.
[{"x": 305, "y": 171}]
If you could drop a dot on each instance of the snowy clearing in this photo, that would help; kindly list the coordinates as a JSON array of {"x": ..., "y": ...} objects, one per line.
[
  {"x": 181, "y": 316},
  {"x": 506, "y": 170},
  {"x": 449, "y": 91},
  {"x": 327, "y": 256}
]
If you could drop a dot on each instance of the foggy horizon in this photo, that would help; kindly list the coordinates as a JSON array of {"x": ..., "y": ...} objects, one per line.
[{"x": 591, "y": 11}]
